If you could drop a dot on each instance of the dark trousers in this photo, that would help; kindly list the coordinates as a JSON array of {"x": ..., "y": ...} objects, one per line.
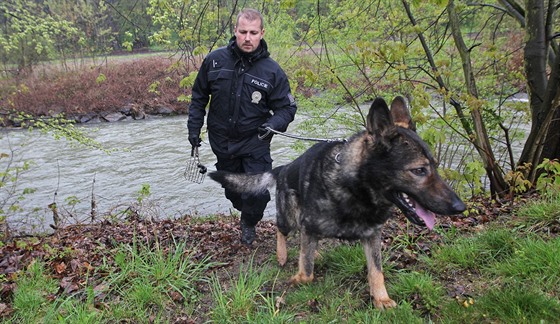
[{"x": 251, "y": 206}]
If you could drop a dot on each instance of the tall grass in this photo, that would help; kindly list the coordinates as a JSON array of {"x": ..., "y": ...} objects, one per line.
[
  {"x": 31, "y": 298},
  {"x": 145, "y": 283},
  {"x": 244, "y": 298},
  {"x": 151, "y": 278}
]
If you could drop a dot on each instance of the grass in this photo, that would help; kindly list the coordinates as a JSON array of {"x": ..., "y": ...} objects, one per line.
[
  {"x": 504, "y": 273},
  {"x": 148, "y": 281},
  {"x": 473, "y": 252},
  {"x": 244, "y": 298},
  {"x": 31, "y": 298}
]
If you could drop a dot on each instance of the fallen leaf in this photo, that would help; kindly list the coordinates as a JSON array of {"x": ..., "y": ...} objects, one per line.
[{"x": 60, "y": 267}]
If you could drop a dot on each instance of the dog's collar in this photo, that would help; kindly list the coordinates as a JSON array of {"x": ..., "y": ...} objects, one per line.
[
  {"x": 340, "y": 149},
  {"x": 337, "y": 157}
]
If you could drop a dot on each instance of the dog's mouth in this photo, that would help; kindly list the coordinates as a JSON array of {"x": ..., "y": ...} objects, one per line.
[{"x": 414, "y": 211}]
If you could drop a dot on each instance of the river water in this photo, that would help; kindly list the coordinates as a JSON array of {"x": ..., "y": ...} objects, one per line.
[{"x": 153, "y": 152}]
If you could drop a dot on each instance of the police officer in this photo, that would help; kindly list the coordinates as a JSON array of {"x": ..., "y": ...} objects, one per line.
[{"x": 249, "y": 93}]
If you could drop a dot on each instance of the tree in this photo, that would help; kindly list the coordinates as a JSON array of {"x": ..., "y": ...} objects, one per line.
[
  {"x": 542, "y": 69},
  {"x": 30, "y": 34},
  {"x": 130, "y": 23},
  {"x": 478, "y": 133}
]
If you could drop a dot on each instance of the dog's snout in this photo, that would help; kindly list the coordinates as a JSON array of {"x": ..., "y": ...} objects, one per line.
[{"x": 459, "y": 206}]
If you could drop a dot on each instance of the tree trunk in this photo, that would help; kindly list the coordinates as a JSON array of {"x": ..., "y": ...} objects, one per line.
[
  {"x": 543, "y": 93},
  {"x": 480, "y": 139},
  {"x": 552, "y": 144}
]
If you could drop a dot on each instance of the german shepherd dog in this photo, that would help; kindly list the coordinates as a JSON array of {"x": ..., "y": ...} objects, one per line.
[{"x": 346, "y": 190}]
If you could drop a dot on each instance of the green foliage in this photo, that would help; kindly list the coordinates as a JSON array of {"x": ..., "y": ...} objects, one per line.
[
  {"x": 517, "y": 180},
  {"x": 74, "y": 310},
  {"x": 519, "y": 303},
  {"x": 474, "y": 172},
  {"x": 31, "y": 34},
  {"x": 144, "y": 192},
  {"x": 60, "y": 128},
  {"x": 512, "y": 302},
  {"x": 548, "y": 182},
  {"x": 154, "y": 87},
  {"x": 10, "y": 193},
  {"x": 54, "y": 29},
  {"x": 100, "y": 78},
  {"x": 128, "y": 41},
  {"x": 146, "y": 281},
  {"x": 189, "y": 24}
]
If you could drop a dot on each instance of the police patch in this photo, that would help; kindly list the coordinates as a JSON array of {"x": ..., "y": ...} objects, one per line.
[
  {"x": 256, "y": 96},
  {"x": 261, "y": 84}
]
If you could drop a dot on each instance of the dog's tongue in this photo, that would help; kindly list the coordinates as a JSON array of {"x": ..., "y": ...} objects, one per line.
[{"x": 427, "y": 216}]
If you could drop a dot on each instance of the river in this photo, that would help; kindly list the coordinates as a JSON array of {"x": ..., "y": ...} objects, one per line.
[{"x": 153, "y": 151}]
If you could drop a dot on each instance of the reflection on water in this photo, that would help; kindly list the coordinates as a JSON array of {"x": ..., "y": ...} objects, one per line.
[{"x": 156, "y": 153}]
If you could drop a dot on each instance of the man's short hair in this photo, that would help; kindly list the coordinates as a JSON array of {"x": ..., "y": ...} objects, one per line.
[{"x": 251, "y": 15}]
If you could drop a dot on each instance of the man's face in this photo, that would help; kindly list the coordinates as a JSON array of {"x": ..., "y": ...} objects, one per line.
[{"x": 248, "y": 34}]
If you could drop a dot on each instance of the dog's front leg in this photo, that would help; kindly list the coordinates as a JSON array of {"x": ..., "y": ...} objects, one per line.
[
  {"x": 281, "y": 249},
  {"x": 308, "y": 246},
  {"x": 376, "y": 280}
]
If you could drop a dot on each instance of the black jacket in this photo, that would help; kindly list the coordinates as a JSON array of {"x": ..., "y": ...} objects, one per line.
[{"x": 246, "y": 91}]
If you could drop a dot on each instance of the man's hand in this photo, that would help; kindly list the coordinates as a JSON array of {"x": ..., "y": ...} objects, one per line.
[
  {"x": 195, "y": 140},
  {"x": 265, "y": 132}
]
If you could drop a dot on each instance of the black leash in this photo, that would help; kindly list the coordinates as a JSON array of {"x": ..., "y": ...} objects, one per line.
[{"x": 303, "y": 138}]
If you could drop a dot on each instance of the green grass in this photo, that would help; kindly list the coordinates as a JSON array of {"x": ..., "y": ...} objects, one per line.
[
  {"x": 31, "y": 299},
  {"x": 540, "y": 215},
  {"x": 508, "y": 273},
  {"x": 474, "y": 252},
  {"x": 536, "y": 261},
  {"x": 146, "y": 283},
  {"x": 244, "y": 298}
]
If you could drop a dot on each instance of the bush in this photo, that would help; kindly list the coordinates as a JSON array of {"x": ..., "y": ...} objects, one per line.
[{"x": 146, "y": 84}]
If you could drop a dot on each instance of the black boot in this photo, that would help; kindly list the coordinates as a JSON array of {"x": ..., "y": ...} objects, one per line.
[{"x": 248, "y": 233}]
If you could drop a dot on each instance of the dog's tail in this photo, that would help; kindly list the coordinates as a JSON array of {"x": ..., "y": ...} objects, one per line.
[{"x": 254, "y": 183}]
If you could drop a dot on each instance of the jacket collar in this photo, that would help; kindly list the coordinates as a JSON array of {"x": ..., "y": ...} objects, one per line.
[{"x": 260, "y": 53}]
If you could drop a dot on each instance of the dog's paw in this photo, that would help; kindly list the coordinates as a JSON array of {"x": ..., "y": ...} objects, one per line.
[
  {"x": 385, "y": 303},
  {"x": 301, "y": 278}
]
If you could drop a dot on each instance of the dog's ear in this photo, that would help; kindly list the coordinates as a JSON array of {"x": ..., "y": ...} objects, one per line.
[
  {"x": 378, "y": 118},
  {"x": 401, "y": 113}
]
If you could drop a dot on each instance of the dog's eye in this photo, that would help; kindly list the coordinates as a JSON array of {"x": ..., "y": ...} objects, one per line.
[{"x": 419, "y": 171}]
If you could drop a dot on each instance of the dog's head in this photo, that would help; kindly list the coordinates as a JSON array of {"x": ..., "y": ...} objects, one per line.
[{"x": 409, "y": 176}]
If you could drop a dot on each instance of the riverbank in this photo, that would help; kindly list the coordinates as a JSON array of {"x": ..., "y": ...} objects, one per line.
[
  {"x": 92, "y": 269},
  {"x": 104, "y": 92}
]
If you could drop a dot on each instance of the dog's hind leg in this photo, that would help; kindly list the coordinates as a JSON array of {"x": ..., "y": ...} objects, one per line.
[
  {"x": 376, "y": 280},
  {"x": 308, "y": 246},
  {"x": 281, "y": 250}
]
